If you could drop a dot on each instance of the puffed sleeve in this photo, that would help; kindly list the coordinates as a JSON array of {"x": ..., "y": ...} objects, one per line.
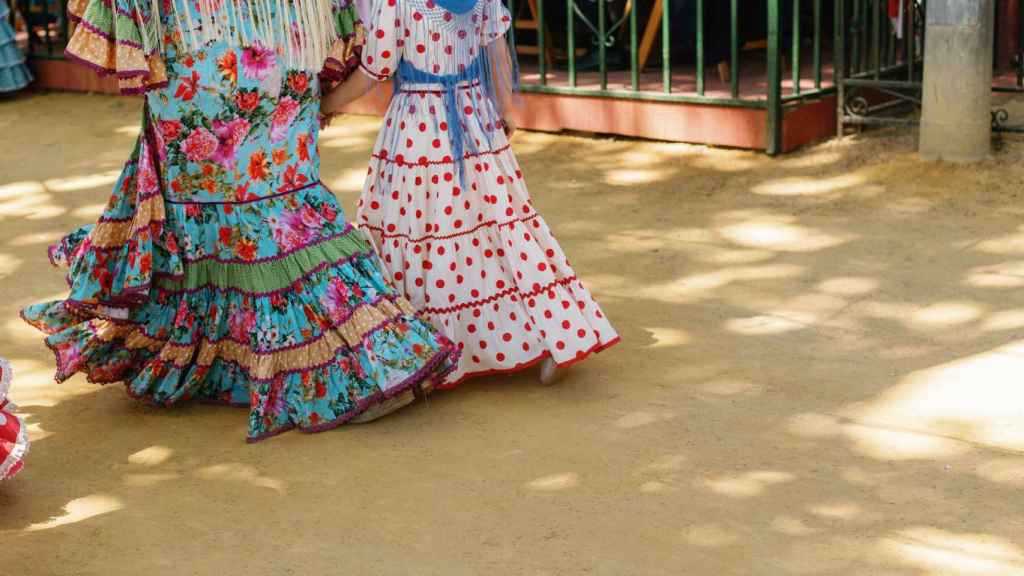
[
  {"x": 381, "y": 51},
  {"x": 119, "y": 37},
  {"x": 343, "y": 57},
  {"x": 496, "y": 21}
]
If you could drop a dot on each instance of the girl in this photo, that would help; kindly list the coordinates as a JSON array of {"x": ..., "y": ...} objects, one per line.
[
  {"x": 222, "y": 268},
  {"x": 445, "y": 201}
]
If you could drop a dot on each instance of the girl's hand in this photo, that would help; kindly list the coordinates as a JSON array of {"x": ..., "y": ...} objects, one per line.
[{"x": 509, "y": 126}]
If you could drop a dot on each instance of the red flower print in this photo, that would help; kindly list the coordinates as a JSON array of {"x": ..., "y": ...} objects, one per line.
[
  {"x": 246, "y": 249},
  {"x": 248, "y": 100},
  {"x": 299, "y": 82},
  {"x": 280, "y": 156},
  {"x": 259, "y": 169},
  {"x": 242, "y": 192},
  {"x": 302, "y": 144},
  {"x": 329, "y": 213},
  {"x": 228, "y": 66},
  {"x": 188, "y": 87},
  {"x": 170, "y": 129},
  {"x": 146, "y": 264},
  {"x": 292, "y": 179},
  {"x": 225, "y": 235}
]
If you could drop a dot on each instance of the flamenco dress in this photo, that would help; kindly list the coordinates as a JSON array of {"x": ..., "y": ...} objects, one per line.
[{"x": 222, "y": 269}]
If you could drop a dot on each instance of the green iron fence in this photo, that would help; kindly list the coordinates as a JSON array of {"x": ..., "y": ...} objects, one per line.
[
  {"x": 751, "y": 42},
  {"x": 879, "y": 64}
]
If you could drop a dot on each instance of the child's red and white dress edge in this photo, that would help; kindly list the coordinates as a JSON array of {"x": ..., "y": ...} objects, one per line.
[{"x": 466, "y": 246}]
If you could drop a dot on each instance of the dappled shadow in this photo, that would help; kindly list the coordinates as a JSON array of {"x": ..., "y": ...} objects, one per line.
[{"x": 820, "y": 374}]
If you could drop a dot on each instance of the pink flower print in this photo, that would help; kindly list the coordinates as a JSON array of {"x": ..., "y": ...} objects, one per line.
[
  {"x": 257, "y": 61},
  {"x": 199, "y": 145},
  {"x": 286, "y": 111},
  {"x": 289, "y": 231},
  {"x": 335, "y": 300},
  {"x": 241, "y": 325},
  {"x": 231, "y": 135}
]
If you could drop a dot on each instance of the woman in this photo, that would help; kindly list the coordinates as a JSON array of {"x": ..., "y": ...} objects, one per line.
[
  {"x": 222, "y": 269},
  {"x": 446, "y": 202},
  {"x": 14, "y": 75}
]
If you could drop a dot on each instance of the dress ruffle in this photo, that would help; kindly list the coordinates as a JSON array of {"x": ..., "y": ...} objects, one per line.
[{"x": 112, "y": 38}]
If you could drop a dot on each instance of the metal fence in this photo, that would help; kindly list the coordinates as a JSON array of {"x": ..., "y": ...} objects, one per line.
[
  {"x": 697, "y": 38},
  {"x": 880, "y": 64}
]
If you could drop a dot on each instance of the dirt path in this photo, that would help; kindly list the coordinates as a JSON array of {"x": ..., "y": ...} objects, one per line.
[{"x": 822, "y": 372}]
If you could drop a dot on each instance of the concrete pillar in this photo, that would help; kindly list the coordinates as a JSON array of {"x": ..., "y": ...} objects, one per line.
[{"x": 956, "y": 122}]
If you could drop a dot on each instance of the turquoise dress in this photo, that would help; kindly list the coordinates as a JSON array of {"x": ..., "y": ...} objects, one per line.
[
  {"x": 222, "y": 268},
  {"x": 14, "y": 75}
]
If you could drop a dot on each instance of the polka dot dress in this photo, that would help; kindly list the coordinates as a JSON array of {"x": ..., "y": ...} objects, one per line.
[{"x": 466, "y": 245}]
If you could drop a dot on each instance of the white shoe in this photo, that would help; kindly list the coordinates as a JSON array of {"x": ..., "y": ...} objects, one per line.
[{"x": 549, "y": 372}]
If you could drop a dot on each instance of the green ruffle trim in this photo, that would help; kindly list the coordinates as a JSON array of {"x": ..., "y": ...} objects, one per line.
[
  {"x": 270, "y": 275},
  {"x": 346, "y": 21}
]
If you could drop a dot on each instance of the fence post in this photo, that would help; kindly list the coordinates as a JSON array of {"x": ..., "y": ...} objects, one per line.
[
  {"x": 774, "y": 123},
  {"x": 956, "y": 97}
]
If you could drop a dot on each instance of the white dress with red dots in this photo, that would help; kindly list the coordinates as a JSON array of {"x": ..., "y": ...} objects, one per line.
[
  {"x": 464, "y": 242},
  {"x": 13, "y": 434}
]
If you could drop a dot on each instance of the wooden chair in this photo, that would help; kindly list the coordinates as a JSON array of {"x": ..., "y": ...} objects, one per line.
[{"x": 533, "y": 23}]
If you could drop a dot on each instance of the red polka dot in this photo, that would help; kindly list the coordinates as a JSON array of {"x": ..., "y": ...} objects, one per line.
[
  {"x": 379, "y": 33},
  {"x": 385, "y": 54},
  {"x": 500, "y": 357},
  {"x": 526, "y": 347},
  {"x": 560, "y": 345},
  {"x": 565, "y": 325},
  {"x": 419, "y": 282},
  {"x": 471, "y": 328},
  {"x": 542, "y": 267},
  {"x": 506, "y": 337},
  {"x": 399, "y": 276},
  {"x": 581, "y": 333},
  {"x": 483, "y": 345},
  {"x": 439, "y": 283}
]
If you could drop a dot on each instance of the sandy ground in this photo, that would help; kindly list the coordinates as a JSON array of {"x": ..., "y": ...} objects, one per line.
[{"x": 822, "y": 372}]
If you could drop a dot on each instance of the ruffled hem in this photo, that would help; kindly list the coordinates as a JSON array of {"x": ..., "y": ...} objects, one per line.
[
  {"x": 14, "y": 461},
  {"x": 372, "y": 352},
  {"x": 111, "y": 42},
  {"x": 526, "y": 365},
  {"x": 436, "y": 370}
]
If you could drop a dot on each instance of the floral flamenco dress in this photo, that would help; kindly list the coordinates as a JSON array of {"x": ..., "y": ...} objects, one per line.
[
  {"x": 222, "y": 269},
  {"x": 446, "y": 201}
]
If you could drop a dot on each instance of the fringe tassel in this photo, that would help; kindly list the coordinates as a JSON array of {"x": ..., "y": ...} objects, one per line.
[{"x": 301, "y": 32}]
